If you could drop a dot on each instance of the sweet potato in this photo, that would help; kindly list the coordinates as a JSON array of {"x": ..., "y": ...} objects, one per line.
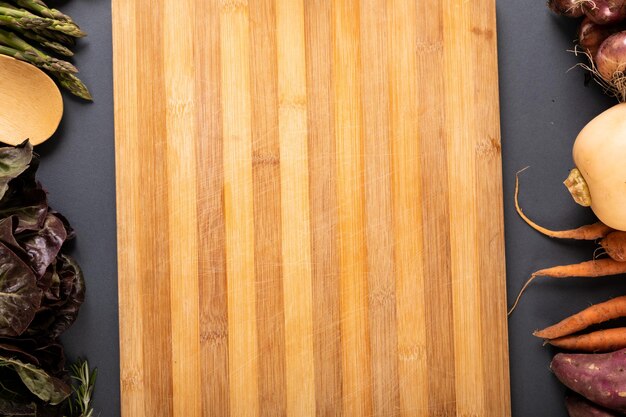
[
  {"x": 578, "y": 406},
  {"x": 599, "y": 377}
]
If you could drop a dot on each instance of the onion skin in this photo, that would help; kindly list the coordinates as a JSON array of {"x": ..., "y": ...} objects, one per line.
[
  {"x": 568, "y": 8},
  {"x": 591, "y": 35},
  {"x": 611, "y": 56},
  {"x": 605, "y": 12},
  {"x": 599, "y": 154}
]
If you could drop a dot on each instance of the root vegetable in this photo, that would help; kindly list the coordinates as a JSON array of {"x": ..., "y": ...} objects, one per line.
[
  {"x": 591, "y": 35},
  {"x": 606, "y": 340},
  {"x": 588, "y": 232},
  {"x": 578, "y": 406},
  {"x": 615, "y": 245},
  {"x": 612, "y": 241},
  {"x": 604, "y": 12},
  {"x": 599, "y": 152},
  {"x": 595, "y": 314},
  {"x": 599, "y": 377},
  {"x": 611, "y": 56},
  {"x": 589, "y": 269},
  {"x": 568, "y": 8}
]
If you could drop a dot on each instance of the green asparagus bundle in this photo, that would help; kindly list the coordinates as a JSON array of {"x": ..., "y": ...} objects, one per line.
[{"x": 32, "y": 32}]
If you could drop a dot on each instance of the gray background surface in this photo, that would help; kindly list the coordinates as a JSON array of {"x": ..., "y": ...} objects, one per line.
[
  {"x": 78, "y": 170},
  {"x": 543, "y": 107}
]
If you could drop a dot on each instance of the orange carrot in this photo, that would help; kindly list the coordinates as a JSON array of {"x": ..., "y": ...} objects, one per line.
[
  {"x": 600, "y": 341},
  {"x": 591, "y": 269},
  {"x": 597, "y": 313},
  {"x": 588, "y": 232},
  {"x": 615, "y": 245}
]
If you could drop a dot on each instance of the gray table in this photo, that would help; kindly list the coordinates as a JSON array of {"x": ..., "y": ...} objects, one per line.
[
  {"x": 543, "y": 107},
  {"x": 77, "y": 169}
]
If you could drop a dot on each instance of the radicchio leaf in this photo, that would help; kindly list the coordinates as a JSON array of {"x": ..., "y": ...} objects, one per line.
[
  {"x": 41, "y": 291},
  {"x": 12, "y": 351},
  {"x": 19, "y": 295},
  {"x": 45, "y": 353},
  {"x": 30, "y": 207},
  {"x": 13, "y": 162},
  {"x": 58, "y": 312},
  {"x": 44, "y": 245},
  {"x": 46, "y": 387}
]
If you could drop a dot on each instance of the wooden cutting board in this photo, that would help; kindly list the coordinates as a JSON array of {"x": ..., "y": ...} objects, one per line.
[{"x": 309, "y": 208}]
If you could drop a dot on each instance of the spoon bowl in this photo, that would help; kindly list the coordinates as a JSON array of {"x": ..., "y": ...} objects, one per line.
[{"x": 32, "y": 106}]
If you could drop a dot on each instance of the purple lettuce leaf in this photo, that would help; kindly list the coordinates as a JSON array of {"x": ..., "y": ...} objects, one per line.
[
  {"x": 44, "y": 244},
  {"x": 20, "y": 298},
  {"x": 13, "y": 162}
]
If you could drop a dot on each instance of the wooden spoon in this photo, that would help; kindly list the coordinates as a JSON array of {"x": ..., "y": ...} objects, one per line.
[{"x": 31, "y": 103}]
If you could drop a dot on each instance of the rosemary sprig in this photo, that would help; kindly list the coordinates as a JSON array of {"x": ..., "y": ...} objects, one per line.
[{"x": 85, "y": 381}]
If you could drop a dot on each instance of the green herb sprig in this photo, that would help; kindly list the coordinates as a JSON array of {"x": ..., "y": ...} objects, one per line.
[{"x": 84, "y": 382}]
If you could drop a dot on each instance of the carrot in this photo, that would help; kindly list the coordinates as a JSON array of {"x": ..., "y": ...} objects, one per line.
[
  {"x": 588, "y": 232},
  {"x": 590, "y": 269},
  {"x": 600, "y": 341},
  {"x": 595, "y": 314},
  {"x": 615, "y": 245}
]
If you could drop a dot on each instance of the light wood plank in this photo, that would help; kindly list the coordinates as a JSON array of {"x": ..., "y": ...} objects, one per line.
[
  {"x": 380, "y": 242},
  {"x": 490, "y": 218},
  {"x": 462, "y": 127},
  {"x": 324, "y": 214},
  {"x": 238, "y": 209},
  {"x": 435, "y": 223},
  {"x": 266, "y": 180},
  {"x": 127, "y": 136},
  {"x": 213, "y": 308},
  {"x": 351, "y": 207},
  {"x": 181, "y": 188},
  {"x": 408, "y": 210},
  {"x": 296, "y": 247}
]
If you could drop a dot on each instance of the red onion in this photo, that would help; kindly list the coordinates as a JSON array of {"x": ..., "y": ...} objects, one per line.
[
  {"x": 610, "y": 59},
  {"x": 605, "y": 12},
  {"x": 569, "y": 8},
  {"x": 591, "y": 35}
]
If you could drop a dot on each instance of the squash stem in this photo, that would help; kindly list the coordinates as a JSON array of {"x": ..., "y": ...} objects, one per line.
[{"x": 578, "y": 188}]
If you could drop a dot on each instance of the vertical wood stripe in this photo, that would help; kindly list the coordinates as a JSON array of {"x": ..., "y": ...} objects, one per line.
[
  {"x": 212, "y": 285},
  {"x": 349, "y": 159},
  {"x": 296, "y": 247},
  {"x": 238, "y": 208},
  {"x": 309, "y": 209},
  {"x": 325, "y": 260},
  {"x": 266, "y": 180},
  {"x": 378, "y": 206},
  {"x": 465, "y": 135},
  {"x": 132, "y": 379},
  {"x": 488, "y": 165},
  {"x": 182, "y": 211},
  {"x": 411, "y": 303}
]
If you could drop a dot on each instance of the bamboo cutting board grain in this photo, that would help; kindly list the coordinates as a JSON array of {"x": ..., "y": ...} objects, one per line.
[{"x": 309, "y": 208}]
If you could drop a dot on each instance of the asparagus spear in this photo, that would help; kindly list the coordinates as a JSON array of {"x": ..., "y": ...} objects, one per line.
[
  {"x": 42, "y": 9},
  {"x": 30, "y": 57},
  {"x": 47, "y": 43},
  {"x": 52, "y": 30},
  {"x": 73, "y": 84},
  {"x": 11, "y": 40},
  {"x": 25, "y": 23},
  {"x": 68, "y": 28},
  {"x": 59, "y": 37}
]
